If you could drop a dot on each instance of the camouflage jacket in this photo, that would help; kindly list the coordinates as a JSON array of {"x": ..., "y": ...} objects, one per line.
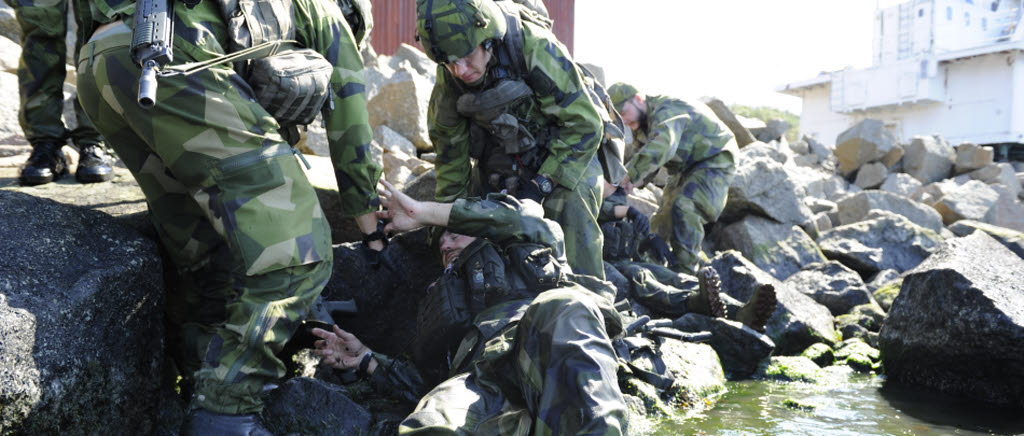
[
  {"x": 200, "y": 34},
  {"x": 560, "y": 104},
  {"x": 677, "y": 135},
  {"x": 503, "y": 220}
]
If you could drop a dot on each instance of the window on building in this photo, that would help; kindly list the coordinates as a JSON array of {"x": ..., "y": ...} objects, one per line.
[
  {"x": 920, "y": 12},
  {"x": 995, "y": 6},
  {"x": 970, "y": 2},
  {"x": 984, "y": 23},
  {"x": 967, "y": 19},
  {"x": 949, "y": 13}
]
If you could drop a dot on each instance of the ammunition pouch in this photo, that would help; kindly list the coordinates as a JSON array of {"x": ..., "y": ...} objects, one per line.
[
  {"x": 621, "y": 242},
  {"x": 535, "y": 268}
]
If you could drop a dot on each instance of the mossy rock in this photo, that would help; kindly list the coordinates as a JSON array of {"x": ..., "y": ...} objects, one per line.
[
  {"x": 821, "y": 354},
  {"x": 887, "y": 293},
  {"x": 853, "y": 347},
  {"x": 649, "y": 398},
  {"x": 794, "y": 404},
  {"x": 861, "y": 363},
  {"x": 789, "y": 368}
]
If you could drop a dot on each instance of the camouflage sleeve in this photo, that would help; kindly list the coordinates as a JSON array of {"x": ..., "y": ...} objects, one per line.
[
  {"x": 502, "y": 219},
  {"x": 558, "y": 84},
  {"x": 105, "y": 11},
  {"x": 666, "y": 131},
  {"x": 320, "y": 27},
  {"x": 607, "y": 213},
  {"x": 398, "y": 378},
  {"x": 449, "y": 132}
]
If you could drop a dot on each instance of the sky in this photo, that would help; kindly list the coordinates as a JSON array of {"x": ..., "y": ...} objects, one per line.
[{"x": 737, "y": 50}]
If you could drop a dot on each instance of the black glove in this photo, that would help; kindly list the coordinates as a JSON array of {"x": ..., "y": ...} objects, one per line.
[
  {"x": 641, "y": 224},
  {"x": 659, "y": 249},
  {"x": 529, "y": 190}
]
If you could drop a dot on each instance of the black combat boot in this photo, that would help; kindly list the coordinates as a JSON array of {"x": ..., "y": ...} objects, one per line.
[
  {"x": 93, "y": 165},
  {"x": 202, "y": 422},
  {"x": 759, "y": 308},
  {"x": 707, "y": 300},
  {"x": 44, "y": 165}
]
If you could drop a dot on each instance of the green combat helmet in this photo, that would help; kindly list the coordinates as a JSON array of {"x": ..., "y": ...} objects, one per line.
[
  {"x": 620, "y": 93},
  {"x": 451, "y": 29}
]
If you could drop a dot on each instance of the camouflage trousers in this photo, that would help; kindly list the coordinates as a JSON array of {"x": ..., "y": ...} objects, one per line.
[
  {"x": 41, "y": 71},
  {"x": 576, "y": 211},
  {"x": 233, "y": 209},
  {"x": 658, "y": 288},
  {"x": 552, "y": 373},
  {"x": 692, "y": 199}
]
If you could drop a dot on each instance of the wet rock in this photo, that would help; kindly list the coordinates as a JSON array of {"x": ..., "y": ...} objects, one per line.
[
  {"x": 858, "y": 355},
  {"x": 883, "y": 241},
  {"x": 831, "y": 284},
  {"x": 789, "y": 369},
  {"x": 779, "y": 249},
  {"x": 821, "y": 354},
  {"x": 81, "y": 310},
  {"x": 798, "y": 321},
  {"x": 312, "y": 407},
  {"x": 957, "y": 326},
  {"x": 739, "y": 347}
]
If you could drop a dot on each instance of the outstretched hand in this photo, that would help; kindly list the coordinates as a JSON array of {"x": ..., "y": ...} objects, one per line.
[
  {"x": 339, "y": 349},
  {"x": 401, "y": 209}
]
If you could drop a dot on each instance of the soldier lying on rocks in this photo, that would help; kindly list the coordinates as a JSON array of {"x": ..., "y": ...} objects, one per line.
[
  {"x": 522, "y": 339},
  {"x": 638, "y": 255}
]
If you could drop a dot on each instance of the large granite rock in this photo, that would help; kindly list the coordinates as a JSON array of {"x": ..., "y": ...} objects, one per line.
[
  {"x": 762, "y": 187},
  {"x": 779, "y": 249},
  {"x": 858, "y": 206},
  {"x": 867, "y": 141},
  {"x": 929, "y": 159},
  {"x": 957, "y": 325},
  {"x": 1012, "y": 239},
  {"x": 739, "y": 347},
  {"x": 81, "y": 320},
  {"x": 883, "y": 241}
]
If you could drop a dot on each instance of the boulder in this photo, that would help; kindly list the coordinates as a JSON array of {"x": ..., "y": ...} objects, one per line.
[
  {"x": 832, "y": 285},
  {"x": 883, "y": 241},
  {"x": 866, "y": 141},
  {"x": 1008, "y": 211},
  {"x": 901, "y": 184},
  {"x": 10, "y": 53},
  {"x": 422, "y": 187},
  {"x": 762, "y": 187},
  {"x": 401, "y": 104},
  {"x": 9, "y": 27},
  {"x": 957, "y": 325},
  {"x": 392, "y": 141},
  {"x": 9, "y": 105},
  {"x": 858, "y": 206},
  {"x": 309, "y": 406},
  {"x": 1010, "y": 238},
  {"x": 776, "y": 248},
  {"x": 81, "y": 319},
  {"x": 999, "y": 173},
  {"x": 739, "y": 347},
  {"x": 415, "y": 58},
  {"x": 970, "y": 157},
  {"x": 871, "y": 175},
  {"x": 790, "y": 369},
  {"x": 772, "y": 131},
  {"x": 928, "y": 159},
  {"x": 758, "y": 150},
  {"x": 972, "y": 201},
  {"x": 798, "y": 321}
]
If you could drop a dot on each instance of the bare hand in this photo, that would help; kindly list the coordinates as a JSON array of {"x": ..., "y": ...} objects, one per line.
[
  {"x": 339, "y": 349},
  {"x": 401, "y": 209},
  {"x": 627, "y": 185}
]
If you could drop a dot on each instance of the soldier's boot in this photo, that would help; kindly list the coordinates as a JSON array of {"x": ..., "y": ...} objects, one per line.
[
  {"x": 202, "y": 422},
  {"x": 93, "y": 165},
  {"x": 759, "y": 308},
  {"x": 44, "y": 165},
  {"x": 707, "y": 300}
]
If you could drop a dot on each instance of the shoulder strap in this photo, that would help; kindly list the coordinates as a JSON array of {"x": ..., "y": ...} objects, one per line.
[
  {"x": 265, "y": 49},
  {"x": 513, "y": 40}
]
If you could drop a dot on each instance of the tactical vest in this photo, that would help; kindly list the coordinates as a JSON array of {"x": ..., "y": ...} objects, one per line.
[
  {"x": 509, "y": 134},
  {"x": 484, "y": 275}
]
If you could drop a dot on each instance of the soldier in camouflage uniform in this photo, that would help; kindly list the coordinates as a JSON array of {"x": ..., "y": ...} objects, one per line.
[
  {"x": 509, "y": 97},
  {"x": 41, "y": 88},
  {"x": 230, "y": 202},
  {"x": 533, "y": 362},
  {"x": 696, "y": 148}
]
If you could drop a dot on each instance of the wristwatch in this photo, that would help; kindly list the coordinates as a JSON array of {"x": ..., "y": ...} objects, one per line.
[{"x": 544, "y": 184}]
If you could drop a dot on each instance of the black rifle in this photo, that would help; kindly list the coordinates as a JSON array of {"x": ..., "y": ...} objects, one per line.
[
  {"x": 321, "y": 316},
  {"x": 663, "y": 328},
  {"x": 152, "y": 36}
]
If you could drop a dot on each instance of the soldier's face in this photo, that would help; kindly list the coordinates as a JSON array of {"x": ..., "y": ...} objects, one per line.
[
  {"x": 632, "y": 113},
  {"x": 452, "y": 244},
  {"x": 470, "y": 68}
]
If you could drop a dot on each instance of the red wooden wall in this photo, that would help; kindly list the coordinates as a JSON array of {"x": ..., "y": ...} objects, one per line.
[{"x": 394, "y": 22}]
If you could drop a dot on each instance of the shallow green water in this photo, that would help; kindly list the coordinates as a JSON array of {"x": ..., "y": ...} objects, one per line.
[{"x": 849, "y": 404}]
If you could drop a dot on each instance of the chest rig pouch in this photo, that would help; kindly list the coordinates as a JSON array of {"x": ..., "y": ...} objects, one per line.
[{"x": 291, "y": 83}]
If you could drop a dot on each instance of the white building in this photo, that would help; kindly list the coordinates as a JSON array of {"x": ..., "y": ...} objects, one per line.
[{"x": 948, "y": 67}]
